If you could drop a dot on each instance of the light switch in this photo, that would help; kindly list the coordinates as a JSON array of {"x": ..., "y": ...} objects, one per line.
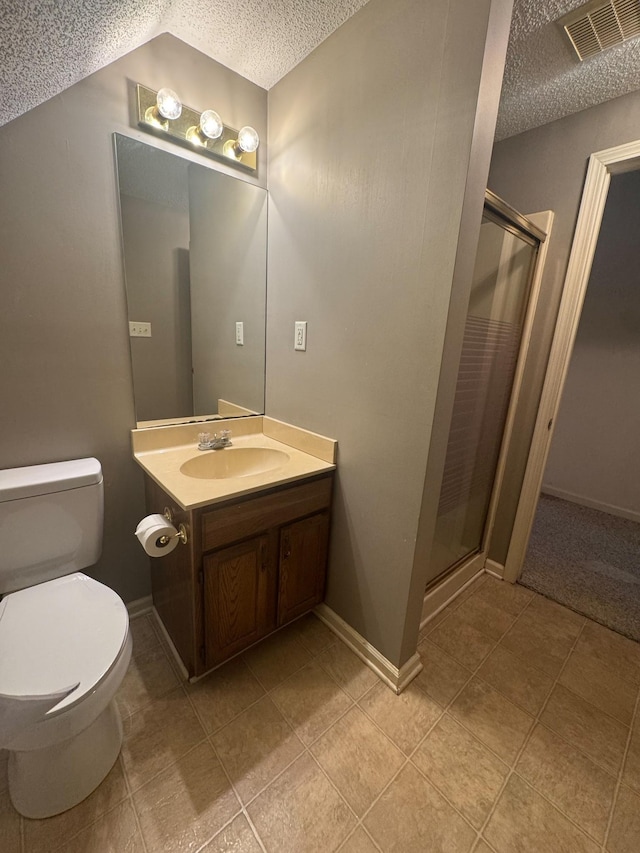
[
  {"x": 139, "y": 330},
  {"x": 240, "y": 334},
  {"x": 300, "y": 342}
]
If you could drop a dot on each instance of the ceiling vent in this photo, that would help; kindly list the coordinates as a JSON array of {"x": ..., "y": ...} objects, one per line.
[{"x": 601, "y": 24}]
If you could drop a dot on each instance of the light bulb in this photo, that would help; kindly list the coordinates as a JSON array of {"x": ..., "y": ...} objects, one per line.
[
  {"x": 248, "y": 140},
  {"x": 211, "y": 124},
  {"x": 169, "y": 105}
]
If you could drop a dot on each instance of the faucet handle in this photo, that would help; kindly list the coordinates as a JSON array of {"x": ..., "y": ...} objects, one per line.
[
  {"x": 204, "y": 440},
  {"x": 225, "y": 433}
]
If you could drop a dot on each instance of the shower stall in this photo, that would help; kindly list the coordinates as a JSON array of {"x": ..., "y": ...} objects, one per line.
[{"x": 494, "y": 345}]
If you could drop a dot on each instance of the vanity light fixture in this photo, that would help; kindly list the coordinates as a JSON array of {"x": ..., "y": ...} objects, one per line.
[{"x": 163, "y": 114}]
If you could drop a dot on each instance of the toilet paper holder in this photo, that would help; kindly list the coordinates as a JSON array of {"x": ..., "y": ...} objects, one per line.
[{"x": 181, "y": 534}]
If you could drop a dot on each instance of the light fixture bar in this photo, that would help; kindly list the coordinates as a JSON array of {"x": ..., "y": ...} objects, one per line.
[{"x": 224, "y": 148}]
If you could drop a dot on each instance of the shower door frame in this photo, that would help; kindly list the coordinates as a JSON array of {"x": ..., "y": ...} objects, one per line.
[{"x": 537, "y": 226}]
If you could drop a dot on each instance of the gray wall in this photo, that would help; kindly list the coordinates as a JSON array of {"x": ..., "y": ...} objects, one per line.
[
  {"x": 228, "y": 284},
  {"x": 370, "y": 143},
  {"x": 544, "y": 169},
  {"x": 66, "y": 385},
  {"x": 156, "y": 255},
  {"x": 595, "y": 453}
]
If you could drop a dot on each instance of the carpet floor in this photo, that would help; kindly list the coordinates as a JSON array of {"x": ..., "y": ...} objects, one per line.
[{"x": 587, "y": 560}]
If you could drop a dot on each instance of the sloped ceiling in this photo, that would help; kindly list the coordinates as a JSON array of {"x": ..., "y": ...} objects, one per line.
[{"x": 48, "y": 45}]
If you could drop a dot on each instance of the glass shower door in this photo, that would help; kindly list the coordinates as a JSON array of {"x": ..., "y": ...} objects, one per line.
[{"x": 492, "y": 338}]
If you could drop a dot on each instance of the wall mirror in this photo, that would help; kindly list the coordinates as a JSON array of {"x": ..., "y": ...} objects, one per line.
[{"x": 194, "y": 249}]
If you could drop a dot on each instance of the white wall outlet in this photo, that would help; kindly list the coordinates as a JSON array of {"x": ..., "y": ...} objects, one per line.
[
  {"x": 240, "y": 334},
  {"x": 139, "y": 330},
  {"x": 300, "y": 341}
]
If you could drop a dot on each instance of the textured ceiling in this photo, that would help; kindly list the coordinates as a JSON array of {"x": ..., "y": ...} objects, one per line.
[
  {"x": 47, "y": 45},
  {"x": 544, "y": 80}
]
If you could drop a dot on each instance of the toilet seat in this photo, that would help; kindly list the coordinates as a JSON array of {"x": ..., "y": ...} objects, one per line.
[{"x": 64, "y": 632}]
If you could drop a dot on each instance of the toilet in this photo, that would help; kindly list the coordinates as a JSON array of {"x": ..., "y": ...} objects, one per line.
[{"x": 65, "y": 643}]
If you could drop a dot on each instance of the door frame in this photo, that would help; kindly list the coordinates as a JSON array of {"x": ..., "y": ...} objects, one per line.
[{"x": 602, "y": 165}]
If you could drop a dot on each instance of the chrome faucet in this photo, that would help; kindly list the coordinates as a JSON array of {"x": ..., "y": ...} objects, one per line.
[{"x": 218, "y": 442}]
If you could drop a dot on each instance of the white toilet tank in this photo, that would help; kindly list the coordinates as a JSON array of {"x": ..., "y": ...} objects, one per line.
[{"x": 51, "y": 519}]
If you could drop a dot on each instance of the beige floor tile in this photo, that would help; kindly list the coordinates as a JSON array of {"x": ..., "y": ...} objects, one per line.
[
  {"x": 596, "y": 683},
  {"x": 347, "y": 669},
  {"x": 358, "y": 842},
  {"x": 358, "y": 759},
  {"x": 485, "y": 616},
  {"x": 496, "y": 721},
  {"x": 521, "y": 682},
  {"x": 237, "y": 837},
  {"x": 311, "y": 701},
  {"x": 412, "y": 817},
  {"x": 473, "y": 587},
  {"x": 115, "y": 832},
  {"x": 255, "y": 747},
  {"x": 186, "y": 804},
  {"x": 44, "y": 836},
  {"x": 150, "y": 676},
  {"x": 225, "y": 693},
  {"x": 462, "y": 640},
  {"x": 618, "y": 654},
  {"x": 524, "y": 822},
  {"x": 301, "y": 812},
  {"x": 159, "y": 735},
  {"x": 578, "y": 787},
  {"x": 462, "y": 768},
  {"x": 586, "y": 727},
  {"x": 405, "y": 718},
  {"x": 624, "y": 835},
  {"x": 509, "y": 597},
  {"x": 314, "y": 633},
  {"x": 439, "y": 617},
  {"x": 543, "y": 635},
  {"x": 277, "y": 657},
  {"x": 482, "y": 847},
  {"x": 9, "y": 825},
  {"x": 631, "y": 774},
  {"x": 143, "y": 634},
  {"x": 441, "y": 677},
  {"x": 570, "y": 621}
]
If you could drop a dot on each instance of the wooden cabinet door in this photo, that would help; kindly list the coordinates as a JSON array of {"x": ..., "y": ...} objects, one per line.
[
  {"x": 303, "y": 566},
  {"x": 236, "y": 601}
]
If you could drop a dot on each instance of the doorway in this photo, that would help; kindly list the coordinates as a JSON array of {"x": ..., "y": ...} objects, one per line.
[
  {"x": 584, "y": 550},
  {"x": 602, "y": 166}
]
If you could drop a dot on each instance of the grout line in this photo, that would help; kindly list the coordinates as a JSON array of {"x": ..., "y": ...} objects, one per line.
[
  {"x": 634, "y": 718},
  {"x": 524, "y": 745},
  {"x": 130, "y": 797}
]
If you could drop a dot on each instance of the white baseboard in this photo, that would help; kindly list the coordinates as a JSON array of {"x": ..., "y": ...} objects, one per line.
[
  {"x": 396, "y": 679},
  {"x": 140, "y": 606},
  {"x": 495, "y": 569},
  {"x": 620, "y": 511}
]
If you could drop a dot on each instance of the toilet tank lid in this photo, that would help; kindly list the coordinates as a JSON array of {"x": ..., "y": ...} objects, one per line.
[{"x": 34, "y": 480}]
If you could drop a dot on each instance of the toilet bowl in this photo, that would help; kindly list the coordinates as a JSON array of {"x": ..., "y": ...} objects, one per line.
[{"x": 65, "y": 637}]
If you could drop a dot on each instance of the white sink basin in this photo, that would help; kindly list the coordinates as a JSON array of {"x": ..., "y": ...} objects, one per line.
[{"x": 233, "y": 462}]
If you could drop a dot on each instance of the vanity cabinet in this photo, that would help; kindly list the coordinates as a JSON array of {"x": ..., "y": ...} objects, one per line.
[{"x": 251, "y": 565}]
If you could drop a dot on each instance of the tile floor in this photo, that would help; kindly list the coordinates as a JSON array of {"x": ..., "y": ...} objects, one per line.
[{"x": 521, "y": 734}]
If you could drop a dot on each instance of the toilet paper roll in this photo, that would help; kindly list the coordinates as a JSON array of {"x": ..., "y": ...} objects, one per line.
[
  {"x": 150, "y": 533},
  {"x": 150, "y": 521}
]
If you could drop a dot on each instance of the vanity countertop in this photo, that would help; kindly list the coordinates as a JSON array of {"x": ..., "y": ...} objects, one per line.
[{"x": 163, "y": 451}]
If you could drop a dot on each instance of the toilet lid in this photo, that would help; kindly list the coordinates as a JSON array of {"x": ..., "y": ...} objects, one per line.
[{"x": 58, "y": 634}]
